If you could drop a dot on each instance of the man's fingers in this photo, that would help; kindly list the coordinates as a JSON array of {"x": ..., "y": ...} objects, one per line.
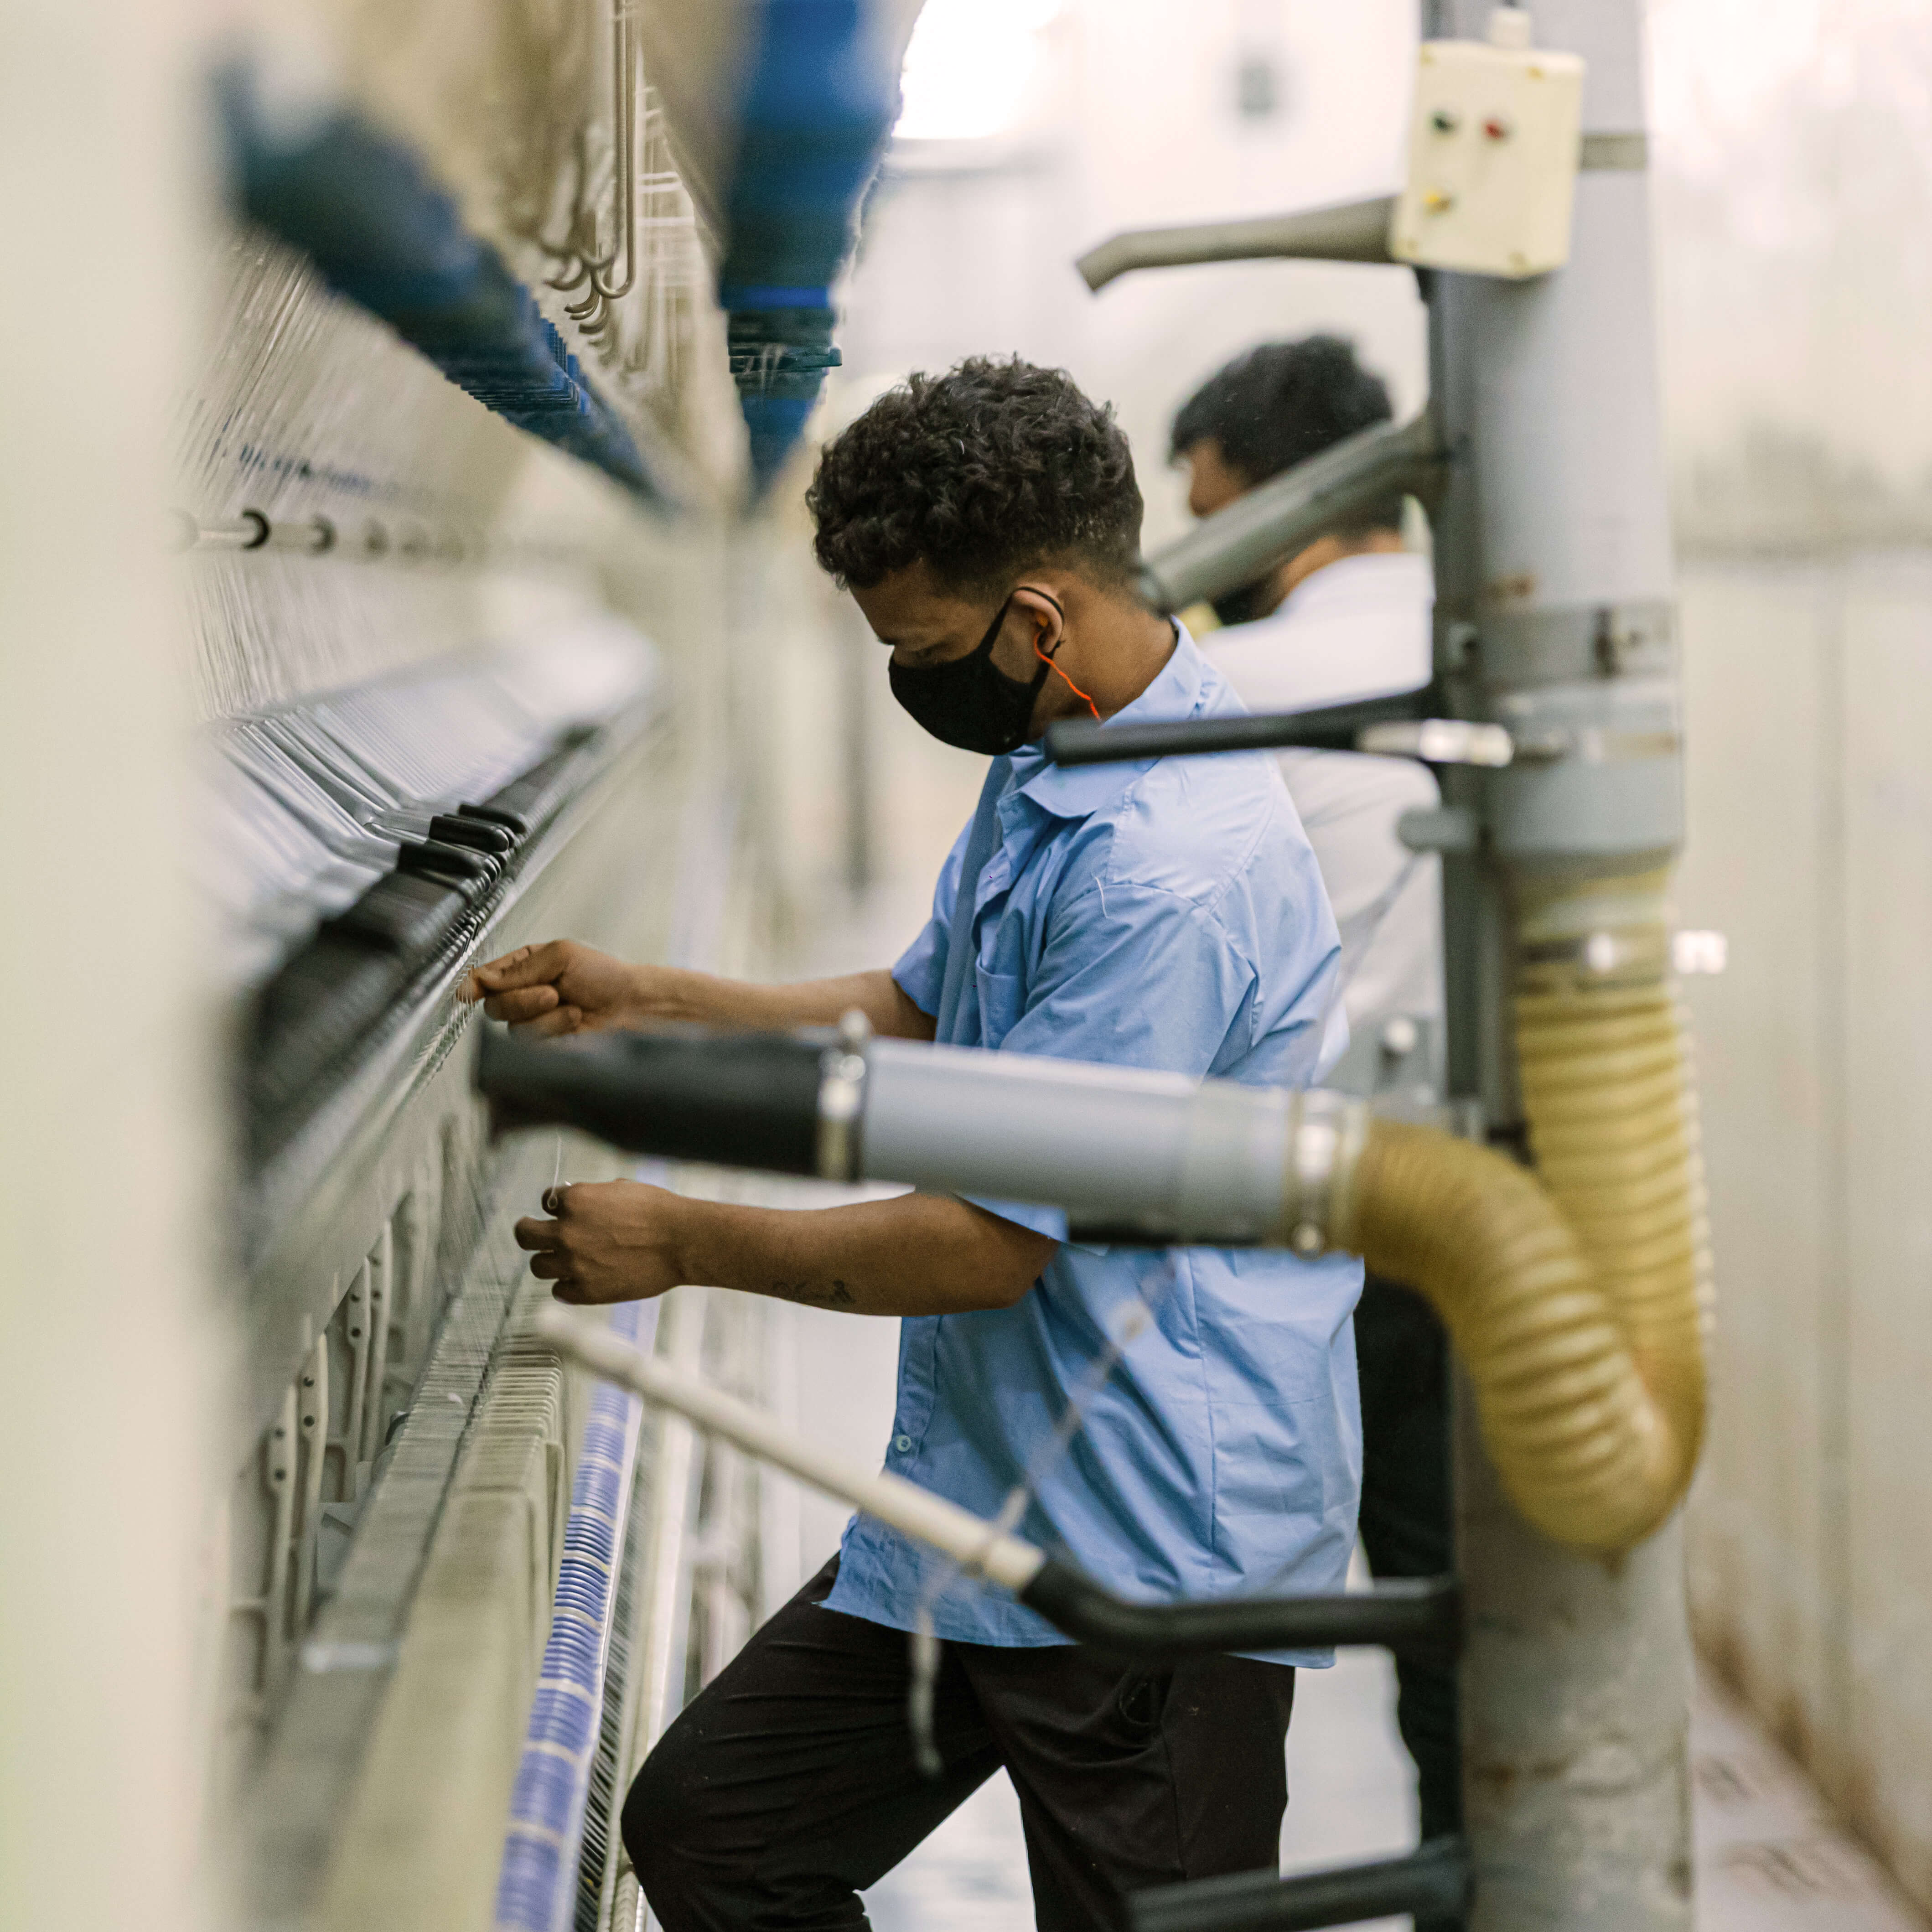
[
  {"x": 528, "y": 966},
  {"x": 550, "y": 1267},
  {"x": 548, "y": 1026},
  {"x": 569, "y": 1291},
  {"x": 539, "y": 1236},
  {"x": 482, "y": 979},
  {"x": 526, "y": 1002},
  {"x": 556, "y": 1200}
]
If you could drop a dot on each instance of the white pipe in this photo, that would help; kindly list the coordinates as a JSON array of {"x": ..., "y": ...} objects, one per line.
[{"x": 955, "y": 1532}]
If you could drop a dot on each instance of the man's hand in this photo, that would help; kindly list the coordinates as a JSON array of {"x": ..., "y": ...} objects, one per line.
[
  {"x": 563, "y": 987},
  {"x": 612, "y": 1240},
  {"x": 919, "y": 1254}
]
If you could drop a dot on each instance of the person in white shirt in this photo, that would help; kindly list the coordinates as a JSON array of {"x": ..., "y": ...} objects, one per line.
[{"x": 1349, "y": 617}]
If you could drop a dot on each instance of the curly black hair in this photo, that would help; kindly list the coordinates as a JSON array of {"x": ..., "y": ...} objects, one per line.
[
  {"x": 992, "y": 469},
  {"x": 1283, "y": 402}
]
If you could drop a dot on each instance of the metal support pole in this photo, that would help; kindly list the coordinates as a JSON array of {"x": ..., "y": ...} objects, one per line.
[{"x": 1554, "y": 596}]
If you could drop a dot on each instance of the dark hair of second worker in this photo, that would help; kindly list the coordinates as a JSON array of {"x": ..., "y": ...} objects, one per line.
[
  {"x": 1283, "y": 402},
  {"x": 982, "y": 474}
]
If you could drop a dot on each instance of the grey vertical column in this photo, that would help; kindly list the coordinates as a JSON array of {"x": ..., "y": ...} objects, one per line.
[{"x": 1554, "y": 616}]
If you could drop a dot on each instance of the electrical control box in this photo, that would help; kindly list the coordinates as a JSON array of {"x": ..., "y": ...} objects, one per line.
[{"x": 1493, "y": 146}]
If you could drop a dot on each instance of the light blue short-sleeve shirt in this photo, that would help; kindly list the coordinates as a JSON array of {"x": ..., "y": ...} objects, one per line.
[{"x": 1164, "y": 914}]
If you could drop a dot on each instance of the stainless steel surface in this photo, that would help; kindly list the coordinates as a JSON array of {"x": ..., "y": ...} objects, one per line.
[
  {"x": 1440, "y": 741},
  {"x": 842, "y": 1104},
  {"x": 1326, "y": 1131}
]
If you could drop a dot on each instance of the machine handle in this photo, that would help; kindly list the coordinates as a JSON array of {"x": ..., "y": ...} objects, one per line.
[{"x": 1432, "y": 1883}]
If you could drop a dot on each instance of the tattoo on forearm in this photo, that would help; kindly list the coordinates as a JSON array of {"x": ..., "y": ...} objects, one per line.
[{"x": 837, "y": 1296}]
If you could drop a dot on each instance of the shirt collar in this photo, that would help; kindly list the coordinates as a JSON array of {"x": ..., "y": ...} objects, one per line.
[{"x": 1079, "y": 791}]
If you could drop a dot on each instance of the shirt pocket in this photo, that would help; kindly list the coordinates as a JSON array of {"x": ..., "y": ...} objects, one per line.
[{"x": 1000, "y": 1003}]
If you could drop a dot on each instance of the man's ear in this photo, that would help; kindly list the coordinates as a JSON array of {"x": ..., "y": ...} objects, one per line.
[{"x": 1045, "y": 617}]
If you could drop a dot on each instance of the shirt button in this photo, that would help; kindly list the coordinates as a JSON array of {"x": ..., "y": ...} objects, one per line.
[{"x": 902, "y": 1444}]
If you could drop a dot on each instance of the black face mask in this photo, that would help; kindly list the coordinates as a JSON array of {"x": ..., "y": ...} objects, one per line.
[
  {"x": 1244, "y": 605},
  {"x": 969, "y": 701}
]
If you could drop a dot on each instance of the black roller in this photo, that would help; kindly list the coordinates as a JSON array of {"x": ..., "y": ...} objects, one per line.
[
  {"x": 477, "y": 835},
  {"x": 738, "y": 1100},
  {"x": 311, "y": 1016},
  {"x": 471, "y": 873},
  {"x": 1421, "y": 1619},
  {"x": 405, "y": 914},
  {"x": 518, "y": 827}
]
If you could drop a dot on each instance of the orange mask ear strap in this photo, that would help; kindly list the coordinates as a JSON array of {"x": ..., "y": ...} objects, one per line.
[
  {"x": 1067, "y": 681},
  {"x": 1049, "y": 662}
]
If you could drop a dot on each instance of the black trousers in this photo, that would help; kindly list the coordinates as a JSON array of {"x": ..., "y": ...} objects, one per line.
[
  {"x": 1407, "y": 1524},
  {"x": 788, "y": 1785}
]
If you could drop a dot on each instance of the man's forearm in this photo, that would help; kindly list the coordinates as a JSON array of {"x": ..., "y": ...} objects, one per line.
[
  {"x": 709, "y": 1000},
  {"x": 917, "y": 1255}
]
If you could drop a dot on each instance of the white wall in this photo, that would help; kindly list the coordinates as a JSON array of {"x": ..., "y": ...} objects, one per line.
[
  {"x": 103, "y": 1136},
  {"x": 1135, "y": 123},
  {"x": 1794, "y": 172}
]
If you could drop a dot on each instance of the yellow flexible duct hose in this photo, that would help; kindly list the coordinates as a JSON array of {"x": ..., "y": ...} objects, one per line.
[{"x": 1578, "y": 1303}]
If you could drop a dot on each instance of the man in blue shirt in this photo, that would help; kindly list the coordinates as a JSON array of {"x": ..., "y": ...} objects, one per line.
[{"x": 1165, "y": 914}]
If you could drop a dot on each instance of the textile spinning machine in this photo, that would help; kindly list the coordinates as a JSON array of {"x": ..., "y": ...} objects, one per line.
[{"x": 520, "y": 304}]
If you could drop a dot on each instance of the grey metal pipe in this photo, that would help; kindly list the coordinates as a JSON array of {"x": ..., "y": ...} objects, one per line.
[
  {"x": 1354, "y": 231},
  {"x": 1269, "y": 525},
  {"x": 1127, "y": 1152},
  {"x": 1151, "y": 1151}
]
